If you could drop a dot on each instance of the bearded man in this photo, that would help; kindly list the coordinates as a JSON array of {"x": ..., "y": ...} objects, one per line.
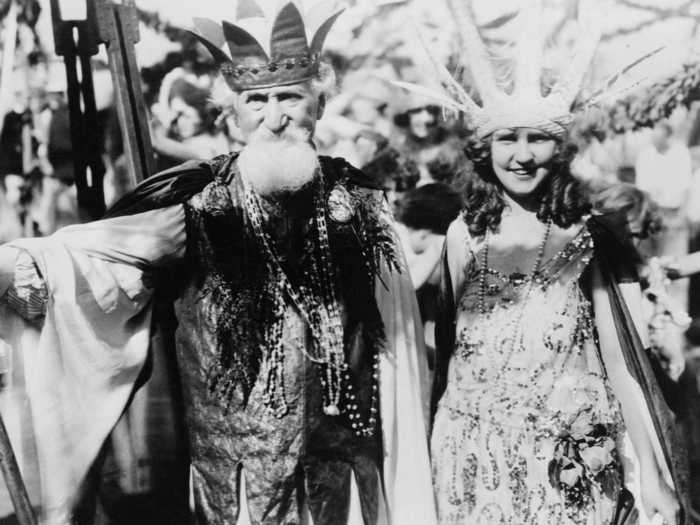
[{"x": 297, "y": 343}]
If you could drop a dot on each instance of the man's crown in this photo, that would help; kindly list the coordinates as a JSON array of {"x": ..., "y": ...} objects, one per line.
[{"x": 247, "y": 63}]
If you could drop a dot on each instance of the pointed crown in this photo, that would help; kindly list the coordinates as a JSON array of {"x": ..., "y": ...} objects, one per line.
[
  {"x": 525, "y": 105},
  {"x": 243, "y": 59}
]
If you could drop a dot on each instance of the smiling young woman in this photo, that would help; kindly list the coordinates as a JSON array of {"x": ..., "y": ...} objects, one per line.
[
  {"x": 531, "y": 406},
  {"x": 526, "y": 167},
  {"x": 545, "y": 408}
]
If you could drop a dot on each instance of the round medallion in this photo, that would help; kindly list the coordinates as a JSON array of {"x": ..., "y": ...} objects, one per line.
[{"x": 340, "y": 206}]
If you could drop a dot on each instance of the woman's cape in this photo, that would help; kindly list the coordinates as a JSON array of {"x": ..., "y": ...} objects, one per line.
[{"x": 617, "y": 258}]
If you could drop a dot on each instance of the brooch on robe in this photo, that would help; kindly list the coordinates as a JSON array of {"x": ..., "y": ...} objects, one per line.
[{"x": 340, "y": 205}]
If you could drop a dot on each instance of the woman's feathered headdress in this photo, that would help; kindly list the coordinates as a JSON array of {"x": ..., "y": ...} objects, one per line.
[{"x": 525, "y": 105}]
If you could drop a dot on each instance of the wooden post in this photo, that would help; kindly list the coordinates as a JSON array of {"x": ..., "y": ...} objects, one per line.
[
  {"x": 77, "y": 42},
  {"x": 13, "y": 479},
  {"x": 118, "y": 29}
]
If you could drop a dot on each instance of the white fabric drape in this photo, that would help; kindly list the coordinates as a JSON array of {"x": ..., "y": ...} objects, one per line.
[
  {"x": 404, "y": 399},
  {"x": 76, "y": 372}
]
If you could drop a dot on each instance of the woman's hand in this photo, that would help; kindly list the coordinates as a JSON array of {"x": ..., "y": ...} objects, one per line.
[
  {"x": 657, "y": 497},
  {"x": 671, "y": 267}
]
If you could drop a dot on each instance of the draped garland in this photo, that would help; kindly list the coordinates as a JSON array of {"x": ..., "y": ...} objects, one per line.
[
  {"x": 658, "y": 101},
  {"x": 173, "y": 33}
]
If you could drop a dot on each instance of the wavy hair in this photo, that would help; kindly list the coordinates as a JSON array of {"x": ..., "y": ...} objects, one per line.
[{"x": 563, "y": 199}]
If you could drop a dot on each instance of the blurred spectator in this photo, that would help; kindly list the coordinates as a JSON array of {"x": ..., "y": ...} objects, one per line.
[
  {"x": 425, "y": 139},
  {"x": 359, "y": 109},
  {"x": 55, "y": 200},
  {"x": 186, "y": 124},
  {"x": 424, "y": 214},
  {"x": 367, "y": 95},
  {"x": 666, "y": 317},
  {"x": 11, "y": 138},
  {"x": 594, "y": 164},
  {"x": 663, "y": 170},
  {"x": 10, "y": 225},
  {"x": 643, "y": 215}
]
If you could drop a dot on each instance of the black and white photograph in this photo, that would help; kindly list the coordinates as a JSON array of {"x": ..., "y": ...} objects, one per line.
[{"x": 349, "y": 262}]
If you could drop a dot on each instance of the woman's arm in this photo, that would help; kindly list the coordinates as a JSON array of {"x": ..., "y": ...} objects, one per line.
[
  {"x": 459, "y": 254},
  {"x": 656, "y": 495},
  {"x": 682, "y": 265}
]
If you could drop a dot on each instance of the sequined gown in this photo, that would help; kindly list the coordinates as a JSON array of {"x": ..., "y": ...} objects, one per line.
[{"x": 520, "y": 374}]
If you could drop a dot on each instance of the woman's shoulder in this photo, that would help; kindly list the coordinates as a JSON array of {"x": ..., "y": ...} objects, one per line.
[
  {"x": 457, "y": 228},
  {"x": 459, "y": 236}
]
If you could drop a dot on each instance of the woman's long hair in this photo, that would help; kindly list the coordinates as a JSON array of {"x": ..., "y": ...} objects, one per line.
[{"x": 563, "y": 198}]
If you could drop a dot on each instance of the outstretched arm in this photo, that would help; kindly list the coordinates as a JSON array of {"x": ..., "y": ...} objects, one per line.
[
  {"x": 143, "y": 241},
  {"x": 681, "y": 266},
  {"x": 78, "y": 366}
]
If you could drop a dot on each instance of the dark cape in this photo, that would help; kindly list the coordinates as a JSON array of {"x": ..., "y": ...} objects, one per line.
[
  {"x": 618, "y": 259},
  {"x": 179, "y": 184}
]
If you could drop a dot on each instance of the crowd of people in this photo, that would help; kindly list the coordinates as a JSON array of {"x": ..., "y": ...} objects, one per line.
[{"x": 302, "y": 389}]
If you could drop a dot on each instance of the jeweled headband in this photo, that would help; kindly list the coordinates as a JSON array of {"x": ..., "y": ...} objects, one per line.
[{"x": 290, "y": 58}]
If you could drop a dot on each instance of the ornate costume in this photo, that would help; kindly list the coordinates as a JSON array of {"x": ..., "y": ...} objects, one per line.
[
  {"x": 512, "y": 389},
  {"x": 299, "y": 353},
  {"x": 526, "y": 426},
  {"x": 512, "y": 411},
  {"x": 284, "y": 462}
]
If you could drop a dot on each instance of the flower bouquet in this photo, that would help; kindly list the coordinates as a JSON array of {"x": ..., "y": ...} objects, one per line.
[{"x": 584, "y": 462}]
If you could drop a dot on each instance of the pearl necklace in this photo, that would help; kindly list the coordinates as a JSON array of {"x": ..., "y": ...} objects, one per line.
[{"x": 323, "y": 319}]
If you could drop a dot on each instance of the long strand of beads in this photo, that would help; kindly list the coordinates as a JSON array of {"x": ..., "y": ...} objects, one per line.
[
  {"x": 275, "y": 397},
  {"x": 331, "y": 303},
  {"x": 483, "y": 272},
  {"x": 516, "y": 322},
  {"x": 324, "y": 321}
]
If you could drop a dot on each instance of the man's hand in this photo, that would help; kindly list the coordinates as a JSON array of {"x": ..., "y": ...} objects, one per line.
[{"x": 8, "y": 258}]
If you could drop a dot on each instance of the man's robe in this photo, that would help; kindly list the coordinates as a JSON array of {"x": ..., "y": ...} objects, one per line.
[{"x": 75, "y": 370}]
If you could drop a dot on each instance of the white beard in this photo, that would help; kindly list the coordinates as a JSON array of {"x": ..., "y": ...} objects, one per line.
[{"x": 276, "y": 167}]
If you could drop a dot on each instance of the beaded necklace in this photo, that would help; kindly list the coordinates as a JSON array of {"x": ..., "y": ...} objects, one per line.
[
  {"x": 321, "y": 316},
  {"x": 483, "y": 271}
]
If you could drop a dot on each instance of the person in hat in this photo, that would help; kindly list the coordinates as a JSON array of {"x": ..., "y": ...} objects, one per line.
[
  {"x": 545, "y": 405},
  {"x": 298, "y": 338},
  {"x": 422, "y": 136}
]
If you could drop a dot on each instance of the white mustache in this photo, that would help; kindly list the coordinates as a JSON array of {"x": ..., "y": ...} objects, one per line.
[{"x": 291, "y": 135}]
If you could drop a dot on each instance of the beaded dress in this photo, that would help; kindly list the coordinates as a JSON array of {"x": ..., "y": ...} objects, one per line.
[{"x": 524, "y": 371}]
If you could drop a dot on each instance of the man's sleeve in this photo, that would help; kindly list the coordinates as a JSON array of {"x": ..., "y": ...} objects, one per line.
[
  {"x": 71, "y": 374},
  {"x": 27, "y": 292},
  {"x": 144, "y": 241}
]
